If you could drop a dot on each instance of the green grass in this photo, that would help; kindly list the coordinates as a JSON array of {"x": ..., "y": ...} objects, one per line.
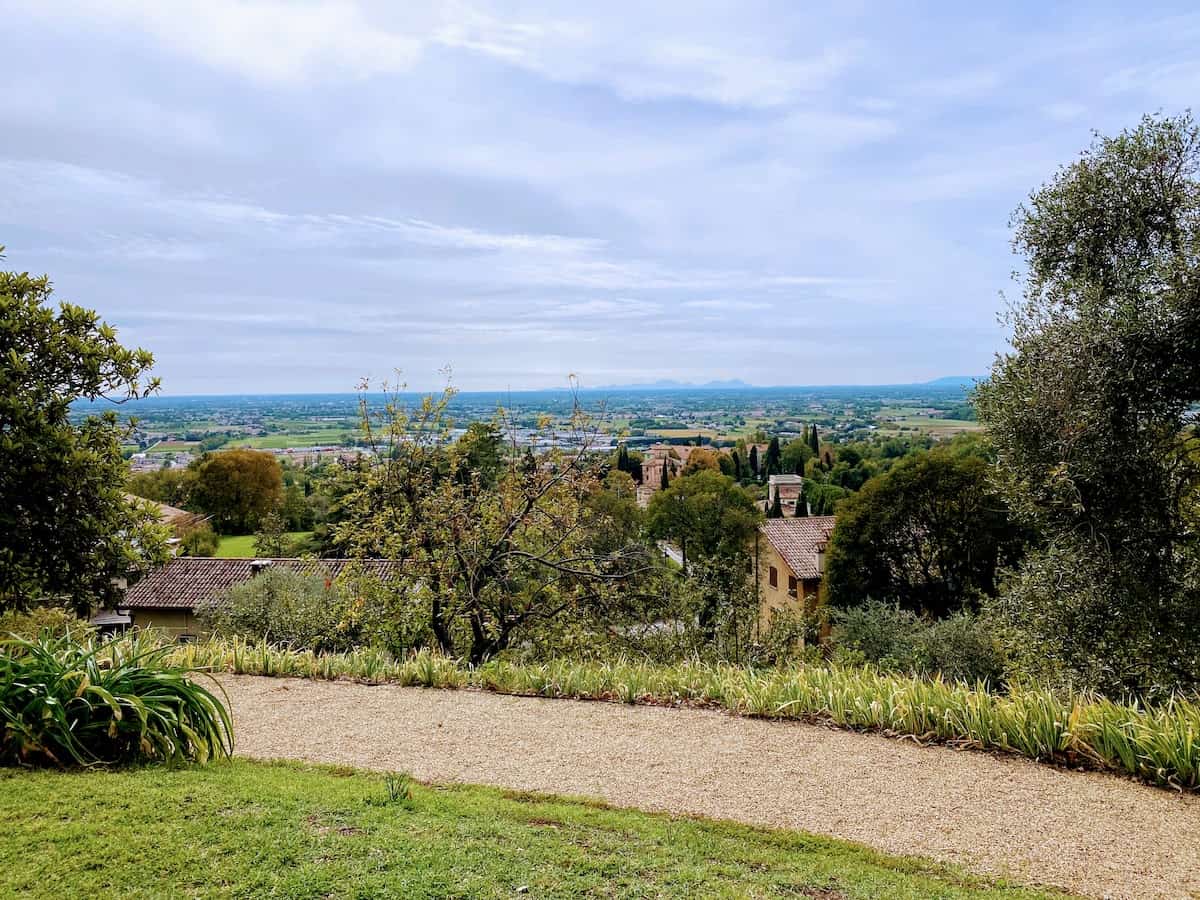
[
  {"x": 242, "y": 545},
  {"x": 248, "y": 829},
  {"x": 1158, "y": 744},
  {"x": 172, "y": 446},
  {"x": 316, "y": 438}
]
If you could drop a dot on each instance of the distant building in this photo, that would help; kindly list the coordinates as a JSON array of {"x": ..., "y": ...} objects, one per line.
[
  {"x": 789, "y": 488},
  {"x": 791, "y": 566}
]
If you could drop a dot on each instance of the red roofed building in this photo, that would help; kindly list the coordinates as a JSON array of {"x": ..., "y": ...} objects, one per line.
[{"x": 791, "y": 567}]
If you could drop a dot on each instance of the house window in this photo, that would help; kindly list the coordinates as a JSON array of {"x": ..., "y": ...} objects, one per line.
[
  {"x": 774, "y": 577},
  {"x": 791, "y": 585}
]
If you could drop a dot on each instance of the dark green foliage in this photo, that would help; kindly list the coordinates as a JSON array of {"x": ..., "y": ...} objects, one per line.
[
  {"x": 1092, "y": 414},
  {"x": 814, "y": 441},
  {"x": 666, "y": 478},
  {"x": 754, "y": 461},
  {"x": 170, "y": 486},
  {"x": 66, "y": 530},
  {"x": 962, "y": 647},
  {"x": 772, "y": 462},
  {"x": 802, "y": 500},
  {"x": 71, "y": 701},
  {"x": 823, "y": 499},
  {"x": 776, "y": 507},
  {"x": 930, "y": 535},
  {"x": 794, "y": 456}
]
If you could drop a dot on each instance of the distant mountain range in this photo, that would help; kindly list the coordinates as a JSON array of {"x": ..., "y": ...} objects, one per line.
[{"x": 667, "y": 384}]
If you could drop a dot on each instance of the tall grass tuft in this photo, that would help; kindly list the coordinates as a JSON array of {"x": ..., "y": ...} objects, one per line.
[
  {"x": 1159, "y": 744},
  {"x": 69, "y": 700}
]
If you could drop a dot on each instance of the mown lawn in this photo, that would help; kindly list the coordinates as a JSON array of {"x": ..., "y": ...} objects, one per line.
[
  {"x": 273, "y": 829},
  {"x": 242, "y": 545}
]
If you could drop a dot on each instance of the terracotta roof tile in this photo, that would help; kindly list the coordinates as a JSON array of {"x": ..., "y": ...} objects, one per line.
[
  {"x": 187, "y": 581},
  {"x": 799, "y": 541}
]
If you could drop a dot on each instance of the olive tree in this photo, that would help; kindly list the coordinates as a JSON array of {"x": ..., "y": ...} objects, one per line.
[{"x": 1092, "y": 413}]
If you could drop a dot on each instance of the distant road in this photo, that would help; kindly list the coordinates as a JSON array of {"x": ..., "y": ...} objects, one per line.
[{"x": 671, "y": 552}]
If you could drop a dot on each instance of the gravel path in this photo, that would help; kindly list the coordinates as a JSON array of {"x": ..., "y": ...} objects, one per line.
[{"x": 1089, "y": 833}]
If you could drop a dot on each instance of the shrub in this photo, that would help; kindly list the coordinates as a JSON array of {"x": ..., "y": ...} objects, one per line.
[
  {"x": 66, "y": 700},
  {"x": 41, "y": 619},
  {"x": 961, "y": 647},
  {"x": 201, "y": 541},
  {"x": 313, "y": 612},
  {"x": 281, "y": 605}
]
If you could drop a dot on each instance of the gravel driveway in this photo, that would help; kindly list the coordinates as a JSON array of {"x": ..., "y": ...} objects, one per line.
[{"x": 1090, "y": 833}]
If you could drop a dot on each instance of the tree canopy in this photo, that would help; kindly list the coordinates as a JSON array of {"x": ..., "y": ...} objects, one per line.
[
  {"x": 930, "y": 535},
  {"x": 238, "y": 488},
  {"x": 67, "y": 531},
  {"x": 1092, "y": 412}
]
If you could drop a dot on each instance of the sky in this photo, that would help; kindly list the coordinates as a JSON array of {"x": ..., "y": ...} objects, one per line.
[{"x": 292, "y": 196}]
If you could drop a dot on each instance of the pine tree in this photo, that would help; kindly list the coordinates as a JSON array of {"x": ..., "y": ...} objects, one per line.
[
  {"x": 801, "y": 503},
  {"x": 776, "y": 507},
  {"x": 666, "y": 478},
  {"x": 814, "y": 441}
]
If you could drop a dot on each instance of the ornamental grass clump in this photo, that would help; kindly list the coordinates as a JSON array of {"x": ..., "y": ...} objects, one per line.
[
  {"x": 1159, "y": 743},
  {"x": 70, "y": 700}
]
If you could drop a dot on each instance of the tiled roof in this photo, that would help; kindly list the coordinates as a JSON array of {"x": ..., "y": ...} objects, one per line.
[
  {"x": 799, "y": 541},
  {"x": 187, "y": 581}
]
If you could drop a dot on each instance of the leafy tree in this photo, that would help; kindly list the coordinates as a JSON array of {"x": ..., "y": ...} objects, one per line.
[
  {"x": 930, "y": 535},
  {"x": 700, "y": 460},
  {"x": 238, "y": 488},
  {"x": 200, "y": 540},
  {"x": 271, "y": 539},
  {"x": 794, "y": 455},
  {"x": 295, "y": 510},
  {"x": 479, "y": 453},
  {"x": 67, "y": 532},
  {"x": 707, "y": 514},
  {"x": 714, "y": 521},
  {"x": 170, "y": 486},
  {"x": 493, "y": 562},
  {"x": 1092, "y": 414}
]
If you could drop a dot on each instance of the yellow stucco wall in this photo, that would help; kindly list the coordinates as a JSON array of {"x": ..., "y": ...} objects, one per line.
[
  {"x": 175, "y": 622},
  {"x": 778, "y": 597}
]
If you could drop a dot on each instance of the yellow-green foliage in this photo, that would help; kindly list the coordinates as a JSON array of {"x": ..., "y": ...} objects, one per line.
[{"x": 1160, "y": 744}]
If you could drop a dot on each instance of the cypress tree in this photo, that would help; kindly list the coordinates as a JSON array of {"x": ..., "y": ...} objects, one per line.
[
  {"x": 814, "y": 442},
  {"x": 754, "y": 460},
  {"x": 773, "y": 457},
  {"x": 737, "y": 466},
  {"x": 666, "y": 479},
  {"x": 776, "y": 507},
  {"x": 801, "y": 503}
]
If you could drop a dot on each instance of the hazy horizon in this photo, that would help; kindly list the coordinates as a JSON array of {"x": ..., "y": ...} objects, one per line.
[{"x": 286, "y": 198}]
